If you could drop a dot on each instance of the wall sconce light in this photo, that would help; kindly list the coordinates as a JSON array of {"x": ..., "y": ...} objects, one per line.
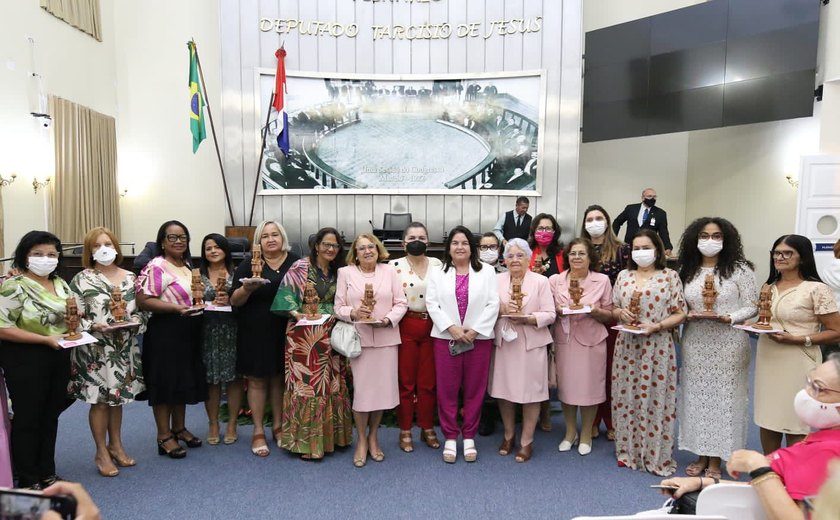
[
  {"x": 124, "y": 192},
  {"x": 36, "y": 185},
  {"x": 5, "y": 182},
  {"x": 793, "y": 182}
]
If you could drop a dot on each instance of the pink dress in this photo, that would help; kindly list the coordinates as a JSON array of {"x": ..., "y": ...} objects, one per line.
[
  {"x": 519, "y": 370},
  {"x": 580, "y": 341}
]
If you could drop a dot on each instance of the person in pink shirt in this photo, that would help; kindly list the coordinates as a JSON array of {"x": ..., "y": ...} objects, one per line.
[
  {"x": 375, "y": 371},
  {"x": 786, "y": 476}
]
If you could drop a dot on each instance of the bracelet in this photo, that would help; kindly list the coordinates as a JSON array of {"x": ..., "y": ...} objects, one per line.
[
  {"x": 701, "y": 484},
  {"x": 760, "y": 471},
  {"x": 764, "y": 478}
]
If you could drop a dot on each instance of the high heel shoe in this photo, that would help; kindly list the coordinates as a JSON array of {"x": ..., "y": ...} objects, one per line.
[
  {"x": 111, "y": 473},
  {"x": 123, "y": 462},
  {"x": 174, "y": 453},
  {"x": 507, "y": 446},
  {"x": 192, "y": 441},
  {"x": 525, "y": 453},
  {"x": 430, "y": 438}
]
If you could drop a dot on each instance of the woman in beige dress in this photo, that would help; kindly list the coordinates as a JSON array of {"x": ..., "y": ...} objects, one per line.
[{"x": 804, "y": 308}]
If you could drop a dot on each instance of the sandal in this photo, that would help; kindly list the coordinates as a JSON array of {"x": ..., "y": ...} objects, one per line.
[
  {"x": 525, "y": 453},
  {"x": 450, "y": 451},
  {"x": 260, "y": 451},
  {"x": 377, "y": 456},
  {"x": 230, "y": 439},
  {"x": 123, "y": 462},
  {"x": 192, "y": 441},
  {"x": 507, "y": 446},
  {"x": 275, "y": 434},
  {"x": 106, "y": 473},
  {"x": 406, "y": 443},
  {"x": 174, "y": 453},
  {"x": 470, "y": 453},
  {"x": 713, "y": 473},
  {"x": 430, "y": 438},
  {"x": 213, "y": 440},
  {"x": 611, "y": 435},
  {"x": 360, "y": 462},
  {"x": 695, "y": 469}
]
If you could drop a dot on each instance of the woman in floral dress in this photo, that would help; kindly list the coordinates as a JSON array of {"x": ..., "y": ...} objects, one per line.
[
  {"x": 106, "y": 374},
  {"x": 644, "y": 376},
  {"x": 218, "y": 344},
  {"x": 316, "y": 404}
]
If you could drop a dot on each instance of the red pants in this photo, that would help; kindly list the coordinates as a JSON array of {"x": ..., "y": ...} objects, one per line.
[
  {"x": 605, "y": 408},
  {"x": 416, "y": 374}
]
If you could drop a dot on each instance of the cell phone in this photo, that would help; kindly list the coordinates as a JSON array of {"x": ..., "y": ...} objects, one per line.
[
  {"x": 671, "y": 489},
  {"x": 17, "y": 503},
  {"x": 456, "y": 348}
]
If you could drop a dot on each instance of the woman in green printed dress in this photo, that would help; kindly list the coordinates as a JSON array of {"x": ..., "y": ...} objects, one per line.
[
  {"x": 218, "y": 346},
  {"x": 316, "y": 403},
  {"x": 106, "y": 374}
]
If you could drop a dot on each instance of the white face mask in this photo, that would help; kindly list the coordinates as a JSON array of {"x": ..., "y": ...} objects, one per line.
[
  {"x": 489, "y": 257},
  {"x": 105, "y": 255},
  {"x": 596, "y": 228},
  {"x": 816, "y": 414},
  {"x": 41, "y": 265},
  {"x": 644, "y": 257},
  {"x": 710, "y": 247}
]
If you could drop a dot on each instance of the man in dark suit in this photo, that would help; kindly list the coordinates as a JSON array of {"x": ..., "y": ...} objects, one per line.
[
  {"x": 645, "y": 215},
  {"x": 515, "y": 223}
]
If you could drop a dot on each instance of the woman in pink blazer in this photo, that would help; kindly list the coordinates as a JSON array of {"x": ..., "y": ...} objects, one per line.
[
  {"x": 580, "y": 342},
  {"x": 375, "y": 385},
  {"x": 519, "y": 373},
  {"x": 462, "y": 301}
]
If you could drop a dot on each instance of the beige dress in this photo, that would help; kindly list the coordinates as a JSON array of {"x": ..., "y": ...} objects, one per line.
[{"x": 780, "y": 370}]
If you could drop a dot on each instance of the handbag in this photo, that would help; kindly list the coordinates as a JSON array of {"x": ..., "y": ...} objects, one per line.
[{"x": 344, "y": 339}]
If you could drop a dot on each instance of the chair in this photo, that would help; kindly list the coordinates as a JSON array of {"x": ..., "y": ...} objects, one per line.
[
  {"x": 393, "y": 225},
  {"x": 733, "y": 501},
  {"x": 239, "y": 247},
  {"x": 658, "y": 516}
]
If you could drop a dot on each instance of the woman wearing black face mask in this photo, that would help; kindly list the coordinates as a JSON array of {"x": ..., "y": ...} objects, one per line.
[{"x": 416, "y": 358}]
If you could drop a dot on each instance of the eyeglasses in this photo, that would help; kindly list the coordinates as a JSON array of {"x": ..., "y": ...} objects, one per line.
[
  {"x": 817, "y": 389},
  {"x": 544, "y": 228},
  {"x": 328, "y": 246},
  {"x": 515, "y": 256},
  {"x": 369, "y": 247},
  {"x": 573, "y": 254},
  {"x": 713, "y": 236},
  {"x": 787, "y": 255},
  {"x": 177, "y": 238},
  {"x": 489, "y": 248}
]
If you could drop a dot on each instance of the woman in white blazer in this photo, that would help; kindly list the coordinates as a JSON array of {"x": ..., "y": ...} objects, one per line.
[{"x": 462, "y": 300}]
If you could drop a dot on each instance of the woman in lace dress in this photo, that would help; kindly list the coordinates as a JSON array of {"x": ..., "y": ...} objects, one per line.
[{"x": 714, "y": 378}]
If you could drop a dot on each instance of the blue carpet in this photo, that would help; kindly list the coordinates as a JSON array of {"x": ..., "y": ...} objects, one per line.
[{"x": 228, "y": 482}]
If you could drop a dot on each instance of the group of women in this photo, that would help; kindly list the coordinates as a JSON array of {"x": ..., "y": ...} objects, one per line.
[{"x": 435, "y": 335}]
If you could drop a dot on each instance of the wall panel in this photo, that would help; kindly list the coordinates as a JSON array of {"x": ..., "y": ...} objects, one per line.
[{"x": 556, "y": 48}]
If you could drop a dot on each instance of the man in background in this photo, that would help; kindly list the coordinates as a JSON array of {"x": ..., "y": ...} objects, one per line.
[
  {"x": 515, "y": 223},
  {"x": 645, "y": 215}
]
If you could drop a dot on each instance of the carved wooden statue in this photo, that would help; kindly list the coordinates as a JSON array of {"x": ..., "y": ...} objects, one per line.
[
  {"x": 575, "y": 293},
  {"x": 197, "y": 288},
  {"x": 516, "y": 297},
  {"x": 765, "y": 301},
  {"x": 118, "y": 305},
  {"x": 257, "y": 262},
  {"x": 368, "y": 301},
  {"x": 71, "y": 318},
  {"x": 221, "y": 298},
  {"x": 709, "y": 294},
  {"x": 636, "y": 309},
  {"x": 311, "y": 302}
]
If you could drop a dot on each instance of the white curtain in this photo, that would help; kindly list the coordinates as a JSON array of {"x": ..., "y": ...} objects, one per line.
[{"x": 81, "y": 14}]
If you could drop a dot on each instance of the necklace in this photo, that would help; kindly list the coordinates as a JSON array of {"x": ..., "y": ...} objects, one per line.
[
  {"x": 367, "y": 274},
  {"x": 279, "y": 260}
]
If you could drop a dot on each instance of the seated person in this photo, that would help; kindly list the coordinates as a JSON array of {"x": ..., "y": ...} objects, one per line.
[{"x": 787, "y": 476}]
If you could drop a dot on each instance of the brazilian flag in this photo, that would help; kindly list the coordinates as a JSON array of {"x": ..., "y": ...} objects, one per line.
[{"x": 196, "y": 101}]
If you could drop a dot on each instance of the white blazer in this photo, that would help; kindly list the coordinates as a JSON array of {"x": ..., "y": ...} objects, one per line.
[{"x": 482, "y": 307}]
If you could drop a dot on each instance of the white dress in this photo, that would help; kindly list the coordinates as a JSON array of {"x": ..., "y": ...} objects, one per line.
[{"x": 714, "y": 378}]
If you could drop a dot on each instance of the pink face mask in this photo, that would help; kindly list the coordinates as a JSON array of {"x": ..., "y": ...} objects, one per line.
[{"x": 544, "y": 238}]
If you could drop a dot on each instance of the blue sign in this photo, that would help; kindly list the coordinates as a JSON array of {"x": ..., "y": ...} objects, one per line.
[{"x": 824, "y": 246}]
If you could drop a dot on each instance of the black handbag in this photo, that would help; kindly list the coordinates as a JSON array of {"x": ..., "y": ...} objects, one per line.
[{"x": 686, "y": 504}]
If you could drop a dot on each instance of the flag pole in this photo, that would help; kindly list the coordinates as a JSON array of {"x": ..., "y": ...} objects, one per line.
[
  {"x": 259, "y": 162},
  {"x": 213, "y": 130}
]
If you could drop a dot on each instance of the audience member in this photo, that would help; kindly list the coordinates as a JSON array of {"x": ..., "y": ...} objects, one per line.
[
  {"x": 515, "y": 223},
  {"x": 645, "y": 215}
]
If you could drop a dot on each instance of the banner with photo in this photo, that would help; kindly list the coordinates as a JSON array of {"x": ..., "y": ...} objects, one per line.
[{"x": 403, "y": 134}]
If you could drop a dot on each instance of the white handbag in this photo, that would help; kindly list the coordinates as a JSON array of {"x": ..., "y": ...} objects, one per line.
[{"x": 344, "y": 339}]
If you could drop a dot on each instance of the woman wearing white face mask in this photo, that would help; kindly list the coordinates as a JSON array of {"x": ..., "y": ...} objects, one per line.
[
  {"x": 32, "y": 309},
  {"x": 489, "y": 250},
  {"x": 785, "y": 477},
  {"x": 714, "y": 377},
  {"x": 644, "y": 366},
  {"x": 612, "y": 257},
  {"x": 106, "y": 374}
]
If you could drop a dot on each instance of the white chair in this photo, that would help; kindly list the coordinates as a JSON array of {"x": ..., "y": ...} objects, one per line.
[
  {"x": 663, "y": 516},
  {"x": 733, "y": 501}
]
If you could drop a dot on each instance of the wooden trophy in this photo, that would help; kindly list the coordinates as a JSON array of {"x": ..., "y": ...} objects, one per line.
[
  {"x": 709, "y": 296},
  {"x": 197, "y": 289},
  {"x": 765, "y": 300},
  {"x": 71, "y": 318},
  {"x": 311, "y": 302},
  {"x": 257, "y": 262},
  {"x": 516, "y": 298},
  {"x": 369, "y": 301},
  {"x": 575, "y": 293},
  {"x": 221, "y": 298},
  {"x": 635, "y": 307},
  {"x": 118, "y": 306}
]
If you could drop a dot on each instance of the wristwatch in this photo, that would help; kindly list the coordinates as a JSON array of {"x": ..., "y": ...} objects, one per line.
[{"x": 808, "y": 341}]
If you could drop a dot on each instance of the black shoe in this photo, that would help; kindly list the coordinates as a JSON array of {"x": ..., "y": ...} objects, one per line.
[
  {"x": 49, "y": 481},
  {"x": 192, "y": 442},
  {"x": 174, "y": 453}
]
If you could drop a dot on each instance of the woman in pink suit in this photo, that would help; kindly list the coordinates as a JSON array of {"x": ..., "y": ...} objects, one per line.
[
  {"x": 519, "y": 372},
  {"x": 462, "y": 300},
  {"x": 580, "y": 342},
  {"x": 375, "y": 385}
]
